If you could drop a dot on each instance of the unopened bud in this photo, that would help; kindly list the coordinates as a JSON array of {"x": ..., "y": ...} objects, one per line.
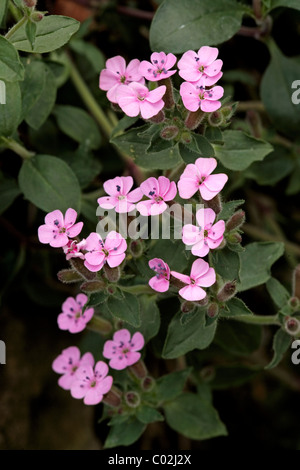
[
  {"x": 78, "y": 265},
  {"x": 292, "y": 326},
  {"x": 148, "y": 384},
  {"x": 168, "y": 97},
  {"x": 186, "y": 137},
  {"x": 113, "y": 397},
  {"x": 235, "y": 221},
  {"x": 215, "y": 204},
  {"x": 207, "y": 373},
  {"x": 169, "y": 132},
  {"x": 132, "y": 399},
  {"x": 136, "y": 248},
  {"x": 194, "y": 119},
  {"x": 202, "y": 302},
  {"x": 30, "y": 3},
  {"x": 139, "y": 369},
  {"x": 93, "y": 286},
  {"x": 116, "y": 108},
  {"x": 176, "y": 282},
  {"x": 213, "y": 310},
  {"x": 294, "y": 303},
  {"x": 158, "y": 118},
  {"x": 112, "y": 274},
  {"x": 68, "y": 276},
  {"x": 227, "y": 292},
  {"x": 296, "y": 282},
  {"x": 215, "y": 119},
  {"x": 111, "y": 290},
  {"x": 234, "y": 238},
  {"x": 187, "y": 307},
  {"x": 37, "y": 16}
]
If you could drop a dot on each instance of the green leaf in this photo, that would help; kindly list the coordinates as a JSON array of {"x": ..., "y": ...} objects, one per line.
[
  {"x": 199, "y": 147},
  {"x": 276, "y": 91},
  {"x": 125, "y": 433},
  {"x": 85, "y": 166},
  {"x": 49, "y": 183},
  {"x": 135, "y": 143},
  {"x": 240, "y": 150},
  {"x": 194, "y": 417},
  {"x": 146, "y": 414},
  {"x": 69, "y": 276},
  {"x": 238, "y": 338},
  {"x": 127, "y": 308},
  {"x": 38, "y": 93},
  {"x": 11, "y": 68},
  {"x": 173, "y": 254},
  {"x": 52, "y": 33},
  {"x": 149, "y": 317},
  {"x": 30, "y": 30},
  {"x": 281, "y": 344},
  {"x": 231, "y": 376},
  {"x": 294, "y": 182},
  {"x": 273, "y": 168},
  {"x": 3, "y": 10},
  {"x": 10, "y": 111},
  {"x": 213, "y": 134},
  {"x": 229, "y": 208},
  {"x": 226, "y": 264},
  {"x": 123, "y": 124},
  {"x": 179, "y": 26},
  {"x": 90, "y": 52},
  {"x": 184, "y": 338},
  {"x": 256, "y": 262},
  {"x": 284, "y": 3},
  {"x": 171, "y": 385},
  {"x": 78, "y": 124},
  {"x": 278, "y": 292},
  {"x": 234, "y": 307},
  {"x": 97, "y": 298},
  {"x": 9, "y": 190}
]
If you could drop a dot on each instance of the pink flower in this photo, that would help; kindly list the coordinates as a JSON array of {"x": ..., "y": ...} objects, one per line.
[
  {"x": 117, "y": 74},
  {"x": 122, "y": 351},
  {"x": 67, "y": 364},
  {"x": 195, "y": 96},
  {"x": 206, "y": 236},
  {"x": 58, "y": 229},
  {"x": 72, "y": 317},
  {"x": 194, "y": 66},
  {"x": 73, "y": 249},
  {"x": 198, "y": 177},
  {"x": 161, "y": 281},
  {"x": 136, "y": 98},
  {"x": 110, "y": 251},
  {"x": 159, "y": 68},
  {"x": 158, "y": 191},
  {"x": 201, "y": 276},
  {"x": 91, "y": 384},
  {"x": 119, "y": 196}
]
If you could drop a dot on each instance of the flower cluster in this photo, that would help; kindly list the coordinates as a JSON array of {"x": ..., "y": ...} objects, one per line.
[{"x": 126, "y": 87}]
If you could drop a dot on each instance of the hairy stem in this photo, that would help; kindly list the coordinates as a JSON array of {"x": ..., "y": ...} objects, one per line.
[{"x": 16, "y": 27}]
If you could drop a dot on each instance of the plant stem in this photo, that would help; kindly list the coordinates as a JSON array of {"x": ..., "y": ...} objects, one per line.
[
  {"x": 17, "y": 148},
  {"x": 16, "y": 27},
  {"x": 246, "y": 105},
  {"x": 257, "y": 319}
]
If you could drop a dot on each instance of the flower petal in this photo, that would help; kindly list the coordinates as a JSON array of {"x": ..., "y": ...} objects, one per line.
[
  {"x": 193, "y": 293},
  {"x": 137, "y": 341},
  {"x": 199, "y": 268},
  {"x": 207, "y": 279},
  {"x": 205, "y": 166}
]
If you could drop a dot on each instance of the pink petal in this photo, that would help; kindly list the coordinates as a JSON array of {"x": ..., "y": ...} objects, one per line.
[
  {"x": 214, "y": 243},
  {"x": 149, "y": 110},
  {"x": 88, "y": 314},
  {"x": 137, "y": 341},
  {"x": 106, "y": 384},
  {"x": 205, "y": 217},
  {"x": 199, "y": 268},
  {"x": 170, "y": 60},
  {"x": 206, "y": 166},
  {"x": 94, "y": 267},
  {"x": 150, "y": 185},
  {"x": 214, "y": 68},
  {"x": 135, "y": 195},
  {"x": 110, "y": 186},
  {"x": 207, "y": 54},
  {"x": 159, "y": 284},
  {"x": 81, "y": 299},
  {"x": 101, "y": 368},
  {"x": 217, "y": 230},
  {"x": 115, "y": 243},
  {"x": 210, "y": 106},
  {"x": 45, "y": 233},
  {"x": 207, "y": 279},
  {"x": 182, "y": 277},
  {"x": 78, "y": 389},
  {"x": 132, "y": 71},
  {"x": 84, "y": 372},
  {"x": 200, "y": 249},
  {"x": 188, "y": 67},
  {"x": 190, "y": 96},
  {"x": 150, "y": 207},
  {"x": 192, "y": 293},
  {"x": 116, "y": 64},
  {"x": 107, "y": 202},
  {"x": 122, "y": 336},
  {"x": 112, "y": 94},
  {"x": 64, "y": 321},
  {"x": 70, "y": 217},
  {"x": 217, "y": 92},
  {"x": 144, "y": 68},
  {"x": 156, "y": 94},
  {"x": 206, "y": 194},
  {"x": 92, "y": 241},
  {"x": 93, "y": 396},
  {"x": 108, "y": 350},
  {"x": 77, "y": 326},
  {"x": 187, "y": 187},
  {"x": 115, "y": 260},
  {"x": 132, "y": 357},
  {"x": 163, "y": 185},
  {"x": 87, "y": 358},
  {"x": 118, "y": 364},
  {"x": 108, "y": 80},
  {"x": 95, "y": 258},
  {"x": 54, "y": 216},
  {"x": 171, "y": 193},
  {"x": 216, "y": 182},
  {"x": 123, "y": 206},
  {"x": 75, "y": 230},
  {"x": 209, "y": 81},
  {"x": 70, "y": 354},
  {"x": 191, "y": 171},
  {"x": 129, "y": 105},
  {"x": 59, "y": 241},
  {"x": 191, "y": 234},
  {"x": 66, "y": 381},
  {"x": 127, "y": 184}
]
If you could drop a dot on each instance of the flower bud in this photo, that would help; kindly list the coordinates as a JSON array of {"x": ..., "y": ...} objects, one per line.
[
  {"x": 202, "y": 302},
  {"x": 37, "y": 16},
  {"x": 194, "y": 119},
  {"x": 168, "y": 97},
  {"x": 292, "y": 326},
  {"x": 113, "y": 397},
  {"x": 169, "y": 132},
  {"x": 187, "y": 307},
  {"x": 78, "y": 265},
  {"x": 215, "y": 204},
  {"x": 112, "y": 274},
  {"x": 235, "y": 221},
  {"x": 296, "y": 282},
  {"x": 139, "y": 369},
  {"x": 227, "y": 292},
  {"x": 68, "y": 276},
  {"x": 213, "y": 310},
  {"x": 207, "y": 373},
  {"x": 132, "y": 399},
  {"x": 158, "y": 118},
  {"x": 294, "y": 303},
  {"x": 186, "y": 137},
  {"x": 234, "y": 238},
  {"x": 93, "y": 286},
  {"x": 136, "y": 248},
  {"x": 148, "y": 384},
  {"x": 30, "y": 3},
  {"x": 215, "y": 119}
]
